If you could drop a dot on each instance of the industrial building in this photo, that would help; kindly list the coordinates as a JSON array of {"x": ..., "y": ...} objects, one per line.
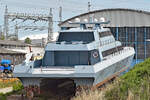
[
  {"x": 131, "y": 27},
  {"x": 12, "y": 44},
  {"x": 14, "y": 56},
  {"x": 16, "y": 50},
  {"x": 20, "y": 46}
]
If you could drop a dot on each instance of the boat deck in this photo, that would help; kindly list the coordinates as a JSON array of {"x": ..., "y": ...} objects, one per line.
[{"x": 53, "y": 70}]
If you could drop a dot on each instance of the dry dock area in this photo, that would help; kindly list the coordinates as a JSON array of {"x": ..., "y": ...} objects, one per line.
[{"x": 44, "y": 56}]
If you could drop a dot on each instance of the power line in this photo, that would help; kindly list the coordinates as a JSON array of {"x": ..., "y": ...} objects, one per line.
[{"x": 27, "y": 17}]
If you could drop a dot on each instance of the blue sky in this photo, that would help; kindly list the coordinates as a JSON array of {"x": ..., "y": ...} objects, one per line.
[{"x": 70, "y": 7}]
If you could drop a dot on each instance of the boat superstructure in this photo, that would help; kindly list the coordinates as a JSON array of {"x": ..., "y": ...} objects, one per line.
[{"x": 80, "y": 56}]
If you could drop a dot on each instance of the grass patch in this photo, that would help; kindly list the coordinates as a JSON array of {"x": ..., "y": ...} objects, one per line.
[
  {"x": 9, "y": 82},
  {"x": 12, "y": 82},
  {"x": 90, "y": 95},
  {"x": 134, "y": 85}
]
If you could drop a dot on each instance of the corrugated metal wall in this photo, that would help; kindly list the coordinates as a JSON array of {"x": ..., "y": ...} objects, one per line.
[{"x": 136, "y": 37}]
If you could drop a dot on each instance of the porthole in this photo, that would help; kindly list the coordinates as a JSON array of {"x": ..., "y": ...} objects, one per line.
[{"x": 95, "y": 54}]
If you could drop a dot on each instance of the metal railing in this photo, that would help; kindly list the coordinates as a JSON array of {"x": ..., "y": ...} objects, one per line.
[
  {"x": 83, "y": 42},
  {"x": 71, "y": 42},
  {"x": 56, "y": 68},
  {"x": 107, "y": 42}
]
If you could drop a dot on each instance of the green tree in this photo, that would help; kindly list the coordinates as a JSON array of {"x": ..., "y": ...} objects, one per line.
[
  {"x": 27, "y": 40},
  {"x": 2, "y": 37}
]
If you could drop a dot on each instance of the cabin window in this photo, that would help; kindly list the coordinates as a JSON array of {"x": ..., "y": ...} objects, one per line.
[
  {"x": 76, "y": 36},
  {"x": 71, "y": 58},
  {"x": 103, "y": 34},
  {"x": 111, "y": 51}
]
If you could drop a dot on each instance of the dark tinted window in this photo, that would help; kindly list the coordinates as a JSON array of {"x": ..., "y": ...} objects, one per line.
[
  {"x": 103, "y": 34},
  {"x": 76, "y": 36},
  {"x": 111, "y": 51},
  {"x": 71, "y": 58}
]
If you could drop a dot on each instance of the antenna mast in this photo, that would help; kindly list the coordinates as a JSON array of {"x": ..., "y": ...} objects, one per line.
[
  {"x": 89, "y": 9},
  {"x": 89, "y": 6}
]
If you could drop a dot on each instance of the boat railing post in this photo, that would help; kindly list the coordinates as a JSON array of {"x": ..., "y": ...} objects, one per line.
[
  {"x": 32, "y": 67},
  {"x": 41, "y": 68}
]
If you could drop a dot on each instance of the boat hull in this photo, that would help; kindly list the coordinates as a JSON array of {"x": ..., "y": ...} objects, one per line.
[{"x": 67, "y": 86}]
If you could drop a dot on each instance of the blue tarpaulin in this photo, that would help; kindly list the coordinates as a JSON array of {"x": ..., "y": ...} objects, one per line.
[
  {"x": 4, "y": 61},
  {"x": 1, "y": 67},
  {"x": 8, "y": 68}
]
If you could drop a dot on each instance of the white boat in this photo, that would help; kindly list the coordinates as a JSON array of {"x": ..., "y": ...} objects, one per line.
[{"x": 80, "y": 57}]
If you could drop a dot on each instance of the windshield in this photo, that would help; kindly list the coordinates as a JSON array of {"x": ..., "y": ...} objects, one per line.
[{"x": 76, "y": 36}]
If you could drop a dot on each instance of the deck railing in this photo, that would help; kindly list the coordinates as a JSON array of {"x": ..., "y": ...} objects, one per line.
[
  {"x": 107, "y": 42},
  {"x": 83, "y": 42},
  {"x": 72, "y": 42}
]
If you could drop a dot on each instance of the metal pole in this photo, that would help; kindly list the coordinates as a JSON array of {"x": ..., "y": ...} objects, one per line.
[
  {"x": 6, "y": 23},
  {"x": 135, "y": 36},
  {"x": 50, "y": 25},
  {"x": 89, "y": 8},
  {"x": 16, "y": 31},
  {"x": 1, "y": 33},
  {"x": 117, "y": 34},
  {"x": 145, "y": 42},
  {"x": 127, "y": 43},
  {"x": 60, "y": 14}
]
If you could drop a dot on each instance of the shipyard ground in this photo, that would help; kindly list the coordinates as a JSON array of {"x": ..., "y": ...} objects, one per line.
[{"x": 55, "y": 89}]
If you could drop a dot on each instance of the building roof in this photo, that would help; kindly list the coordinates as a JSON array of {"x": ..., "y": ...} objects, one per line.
[
  {"x": 17, "y": 43},
  {"x": 6, "y": 51},
  {"x": 119, "y": 17}
]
